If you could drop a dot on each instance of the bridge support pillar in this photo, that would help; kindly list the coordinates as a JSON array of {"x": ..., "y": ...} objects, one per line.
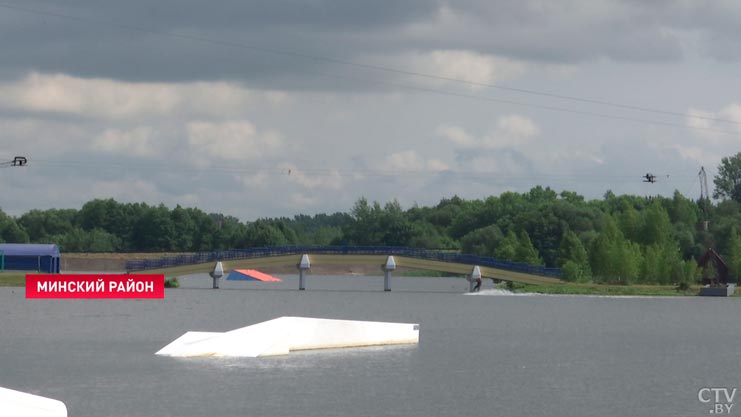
[
  {"x": 217, "y": 273},
  {"x": 303, "y": 268},
  {"x": 389, "y": 266},
  {"x": 474, "y": 283}
]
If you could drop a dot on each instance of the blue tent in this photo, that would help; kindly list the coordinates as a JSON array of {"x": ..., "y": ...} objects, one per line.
[{"x": 30, "y": 257}]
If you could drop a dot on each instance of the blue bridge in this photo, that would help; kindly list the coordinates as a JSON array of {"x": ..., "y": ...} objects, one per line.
[{"x": 410, "y": 258}]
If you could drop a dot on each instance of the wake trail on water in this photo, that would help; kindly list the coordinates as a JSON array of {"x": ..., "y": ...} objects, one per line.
[{"x": 500, "y": 292}]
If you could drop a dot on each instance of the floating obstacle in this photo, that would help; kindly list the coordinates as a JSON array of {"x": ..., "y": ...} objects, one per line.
[
  {"x": 251, "y": 275},
  {"x": 286, "y": 334},
  {"x": 21, "y": 404}
]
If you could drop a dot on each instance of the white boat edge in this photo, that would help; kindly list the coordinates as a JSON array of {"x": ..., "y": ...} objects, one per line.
[{"x": 22, "y": 404}]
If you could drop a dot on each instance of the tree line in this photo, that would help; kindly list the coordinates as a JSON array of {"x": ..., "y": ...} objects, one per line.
[{"x": 617, "y": 239}]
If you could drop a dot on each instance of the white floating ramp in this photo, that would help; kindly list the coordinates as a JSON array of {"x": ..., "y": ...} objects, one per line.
[
  {"x": 20, "y": 404},
  {"x": 285, "y": 334}
]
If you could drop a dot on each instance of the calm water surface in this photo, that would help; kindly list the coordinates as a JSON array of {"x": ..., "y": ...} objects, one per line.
[{"x": 479, "y": 355}]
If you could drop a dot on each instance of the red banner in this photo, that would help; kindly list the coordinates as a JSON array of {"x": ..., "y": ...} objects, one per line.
[{"x": 95, "y": 286}]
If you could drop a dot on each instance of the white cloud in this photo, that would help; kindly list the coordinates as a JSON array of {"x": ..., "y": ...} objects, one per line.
[
  {"x": 125, "y": 190},
  {"x": 232, "y": 140},
  {"x": 410, "y": 161},
  {"x": 695, "y": 153},
  {"x": 301, "y": 200},
  {"x": 44, "y": 137},
  {"x": 259, "y": 180},
  {"x": 500, "y": 165},
  {"x": 118, "y": 100},
  {"x": 511, "y": 131},
  {"x": 403, "y": 161},
  {"x": 464, "y": 65},
  {"x": 702, "y": 156},
  {"x": 732, "y": 112},
  {"x": 330, "y": 179},
  {"x": 457, "y": 135},
  {"x": 515, "y": 126},
  {"x": 713, "y": 129},
  {"x": 137, "y": 142},
  {"x": 277, "y": 98},
  {"x": 437, "y": 165},
  {"x": 699, "y": 119},
  {"x": 579, "y": 154},
  {"x": 472, "y": 66}
]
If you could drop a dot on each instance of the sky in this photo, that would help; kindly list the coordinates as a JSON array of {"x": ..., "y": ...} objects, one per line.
[{"x": 276, "y": 108}]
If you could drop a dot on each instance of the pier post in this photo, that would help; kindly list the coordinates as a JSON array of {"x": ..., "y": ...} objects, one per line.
[
  {"x": 303, "y": 268},
  {"x": 217, "y": 273},
  {"x": 389, "y": 266}
]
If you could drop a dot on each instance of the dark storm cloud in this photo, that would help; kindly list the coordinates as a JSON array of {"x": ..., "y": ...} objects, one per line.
[
  {"x": 565, "y": 31},
  {"x": 329, "y": 14},
  {"x": 132, "y": 46}
]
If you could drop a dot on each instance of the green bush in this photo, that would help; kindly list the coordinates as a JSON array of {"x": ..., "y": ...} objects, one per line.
[{"x": 172, "y": 282}]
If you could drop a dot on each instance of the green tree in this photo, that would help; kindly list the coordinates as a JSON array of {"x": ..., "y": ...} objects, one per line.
[
  {"x": 574, "y": 272},
  {"x": 326, "y": 235},
  {"x": 229, "y": 232},
  {"x": 425, "y": 235},
  {"x": 626, "y": 262},
  {"x": 185, "y": 229},
  {"x": 733, "y": 255},
  {"x": 263, "y": 233},
  {"x": 683, "y": 210},
  {"x": 507, "y": 249},
  {"x": 12, "y": 233},
  {"x": 373, "y": 225},
  {"x": 79, "y": 240},
  {"x": 544, "y": 229},
  {"x": 660, "y": 262},
  {"x": 483, "y": 241},
  {"x": 364, "y": 228},
  {"x": 469, "y": 217},
  {"x": 684, "y": 235},
  {"x": 526, "y": 252},
  {"x": 396, "y": 229},
  {"x": 629, "y": 221},
  {"x": 614, "y": 259},
  {"x": 42, "y": 223},
  {"x": 573, "y": 258},
  {"x": 728, "y": 181},
  {"x": 688, "y": 274},
  {"x": 657, "y": 228},
  {"x": 154, "y": 231},
  {"x": 541, "y": 196},
  {"x": 443, "y": 214}
]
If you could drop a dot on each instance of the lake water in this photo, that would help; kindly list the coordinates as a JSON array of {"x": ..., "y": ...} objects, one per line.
[{"x": 479, "y": 355}]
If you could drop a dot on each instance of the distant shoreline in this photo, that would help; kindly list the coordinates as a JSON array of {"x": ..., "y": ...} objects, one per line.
[
  {"x": 116, "y": 262},
  {"x": 568, "y": 288},
  {"x": 18, "y": 278}
]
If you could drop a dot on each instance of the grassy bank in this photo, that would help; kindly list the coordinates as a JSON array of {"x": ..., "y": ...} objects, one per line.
[
  {"x": 12, "y": 279},
  {"x": 18, "y": 279},
  {"x": 598, "y": 289}
]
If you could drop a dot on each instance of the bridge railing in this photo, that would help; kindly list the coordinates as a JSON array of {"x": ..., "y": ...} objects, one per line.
[{"x": 261, "y": 252}]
